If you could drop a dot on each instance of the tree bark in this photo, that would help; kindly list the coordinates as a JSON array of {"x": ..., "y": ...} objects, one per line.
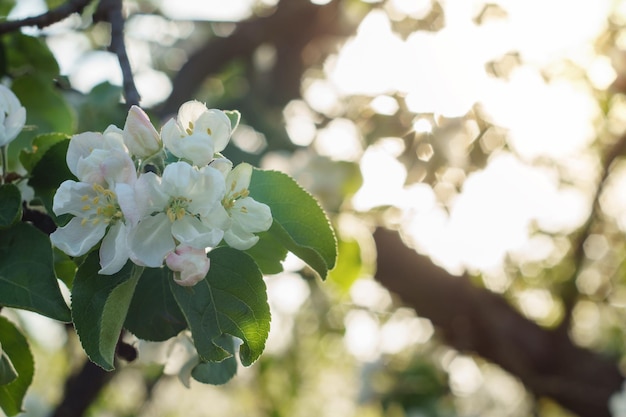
[{"x": 475, "y": 320}]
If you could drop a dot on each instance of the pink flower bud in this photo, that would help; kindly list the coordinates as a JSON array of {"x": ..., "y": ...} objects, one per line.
[
  {"x": 190, "y": 265},
  {"x": 140, "y": 136}
]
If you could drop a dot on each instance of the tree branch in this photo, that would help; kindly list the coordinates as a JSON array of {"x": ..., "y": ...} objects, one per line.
[
  {"x": 476, "y": 320},
  {"x": 46, "y": 19},
  {"x": 293, "y": 25},
  {"x": 111, "y": 11}
]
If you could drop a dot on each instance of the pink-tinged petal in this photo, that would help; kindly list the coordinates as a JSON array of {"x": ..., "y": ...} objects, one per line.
[
  {"x": 190, "y": 265},
  {"x": 151, "y": 241},
  {"x": 76, "y": 238},
  {"x": 140, "y": 136},
  {"x": 192, "y": 232},
  {"x": 114, "y": 250},
  {"x": 118, "y": 168}
]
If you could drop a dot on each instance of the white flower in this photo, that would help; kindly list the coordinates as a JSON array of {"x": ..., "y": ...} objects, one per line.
[
  {"x": 12, "y": 116},
  {"x": 178, "y": 208},
  {"x": 140, "y": 136},
  {"x": 100, "y": 158},
  {"x": 197, "y": 133},
  {"x": 95, "y": 209},
  {"x": 247, "y": 215},
  {"x": 190, "y": 265}
]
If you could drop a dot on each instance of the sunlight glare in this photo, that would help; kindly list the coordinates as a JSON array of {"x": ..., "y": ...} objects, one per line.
[{"x": 369, "y": 63}]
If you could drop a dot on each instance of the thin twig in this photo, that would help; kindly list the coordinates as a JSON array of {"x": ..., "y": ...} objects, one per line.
[
  {"x": 111, "y": 11},
  {"x": 45, "y": 19}
]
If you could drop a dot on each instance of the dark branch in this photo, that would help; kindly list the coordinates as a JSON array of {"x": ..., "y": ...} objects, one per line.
[
  {"x": 472, "y": 319},
  {"x": 81, "y": 390},
  {"x": 293, "y": 25},
  {"x": 111, "y": 11},
  {"x": 46, "y": 19}
]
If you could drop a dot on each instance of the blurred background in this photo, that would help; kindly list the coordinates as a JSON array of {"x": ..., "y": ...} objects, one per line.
[{"x": 468, "y": 153}]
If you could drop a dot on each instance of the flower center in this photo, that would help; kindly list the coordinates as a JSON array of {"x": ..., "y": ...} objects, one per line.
[
  {"x": 102, "y": 207},
  {"x": 177, "y": 208},
  {"x": 229, "y": 200}
]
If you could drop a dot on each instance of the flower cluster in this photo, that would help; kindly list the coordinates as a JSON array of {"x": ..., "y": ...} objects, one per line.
[{"x": 151, "y": 212}]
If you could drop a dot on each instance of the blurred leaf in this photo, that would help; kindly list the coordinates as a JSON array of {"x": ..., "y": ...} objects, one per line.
[
  {"x": 99, "y": 307},
  {"x": 5, "y": 8},
  {"x": 101, "y": 108},
  {"x": 51, "y": 170},
  {"x": 300, "y": 224},
  {"x": 153, "y": 313},
  {"x": 11, "y": 208},
  {"x": 217, "y": 373},
  {"x": 231, "y": 300},
  {"x": 54, "y": 3},
  {"x": 46, "y": 111},
  {"x": 15, "y": 346},
  {"x": 7, "y": 370},
  {"x": 29, "y": 55},
  {"x": 27, "y": 277},
  {"x": 268, "y": 253},
  {"x": 41, "y": 144},
  {"x": 349, "y": 265}
]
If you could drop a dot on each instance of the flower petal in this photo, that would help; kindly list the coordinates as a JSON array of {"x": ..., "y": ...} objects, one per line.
[
  {"x": 191, "y": 231},
  {"x": 114, "y": 250},
  {"x": 151, "y": 241},
  {"x": 75, "y": 238}
]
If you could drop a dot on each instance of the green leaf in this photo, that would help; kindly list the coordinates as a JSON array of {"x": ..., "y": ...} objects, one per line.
[
  {"x": 99, "y": 307},
  {"x": 47, "y": 110},
  {"x": 234, "y": 116},
  {"x": 5, "y": 8},
  {"x": 100, "y": 108},
  {"x": 15, "y": 346},
  {"x": 300, "y": 224},
  {"x": 27, "y": 277},
  {"x": 217, "y": 373},
  {"x": 29, "y": 55},
  {"x": 268, "y": 253},
  {"x": 7, "y": 370},
  {"x": 11, "y": 207},
  {"x": 153, "y": 313},
  {"x": 48, "y": 174},
  {"x": 41, "y": 144},
  {"x": 232, "y": 299}
]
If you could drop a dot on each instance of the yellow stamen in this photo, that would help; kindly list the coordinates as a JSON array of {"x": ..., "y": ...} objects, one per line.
[{"x": 86, "y": 207}]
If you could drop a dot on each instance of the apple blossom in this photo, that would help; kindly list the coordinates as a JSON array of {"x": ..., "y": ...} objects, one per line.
[
  {"x": 247, "y": 215},
  {"x": 12, "y": 116},
  {"x": 197, "y": 133},
  {"x": 140, "y": 136},
  {"x": 181, "y": 209},
  {"x": 190, "y": 265},
  {"x": 97, "y": 217},
  {"x": 100, "y": 158}
]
